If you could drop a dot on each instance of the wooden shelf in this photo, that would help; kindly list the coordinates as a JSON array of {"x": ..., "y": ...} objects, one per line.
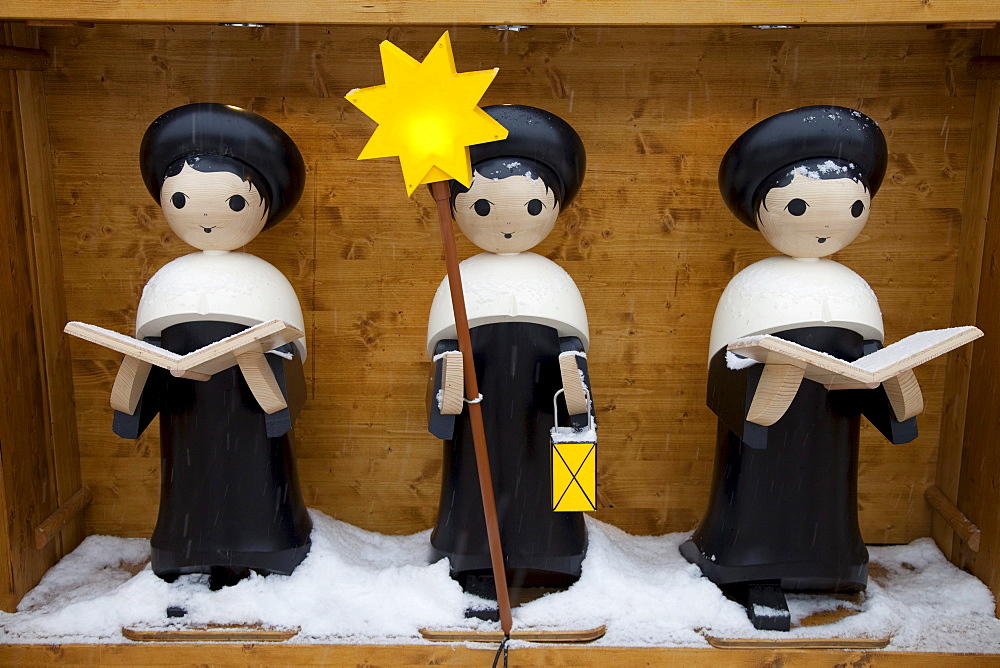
[
  {"x": 531, "y": 12},
  {"x": 454, "y": 655}
]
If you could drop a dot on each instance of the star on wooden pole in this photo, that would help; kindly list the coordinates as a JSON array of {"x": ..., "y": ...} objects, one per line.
[{"x": 427, "y": 114}]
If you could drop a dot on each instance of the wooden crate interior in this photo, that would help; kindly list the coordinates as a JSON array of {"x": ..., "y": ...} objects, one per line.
[{"x": 649, "y": 242}]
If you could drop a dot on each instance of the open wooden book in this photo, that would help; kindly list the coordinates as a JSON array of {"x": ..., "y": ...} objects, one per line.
[
  {"x": 244, "y": 348},
  {"x": 788, "y": 363}
]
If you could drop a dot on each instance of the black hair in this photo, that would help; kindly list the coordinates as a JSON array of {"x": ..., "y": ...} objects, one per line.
[
  {"x": 213, "y": 137},
  {"x": 818, "y": 168},
  {"x": 218, "y": 163},
  {"x": 502, "y": 168},
  {"x": 808, "y": 137}
]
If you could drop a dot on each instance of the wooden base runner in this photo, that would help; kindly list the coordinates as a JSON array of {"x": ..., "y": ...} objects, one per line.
[
  {"x": 797, "y": 643},
  {"x": 244, "y": 634},
  {"x": 530, "y": 635}
]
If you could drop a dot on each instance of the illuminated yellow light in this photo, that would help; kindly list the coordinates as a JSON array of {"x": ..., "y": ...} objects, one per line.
[{"x": 427, "y": 114}]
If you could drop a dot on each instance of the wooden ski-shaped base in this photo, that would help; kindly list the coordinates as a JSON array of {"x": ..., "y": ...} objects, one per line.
[
  {"x": 797, "y": 643},
  {"x": 243, "y": 634},
  {"x": 530, "y": 635}
]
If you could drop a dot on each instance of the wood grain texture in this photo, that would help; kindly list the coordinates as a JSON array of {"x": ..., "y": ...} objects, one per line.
[
  {"x": 231, "y": 656},
  {"x": 957, "y": 13},
  {"x": 259, "y": 377},
  {"x": 17, "y": 58},
  {"x": 904, "y": 395},
  {"x": 574, "y": 390},
  {"x": 240, "y": 634},
  {"x": 798, "y": 643},
  {"x": 27, "y": 480},
  {"x": 129, "y": 383},
  {"x": 54, "y": 523},
  {"x": 452, "y": 383},
  {"x": 968, "y": 532},
  {"x": 38, "y": 197},
  {"x": 979, "y": 482},
  {"x": 779, "y": 383},
  {"x": 979, "y": 189},
  {"x": 648, "y": 241}
]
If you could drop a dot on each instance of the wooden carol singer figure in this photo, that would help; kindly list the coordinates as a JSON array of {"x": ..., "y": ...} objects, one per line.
[
  {"x": 224, "y": 329},
  {"x": 529, "y": 335},
  {"x": 782, "y": 511}
]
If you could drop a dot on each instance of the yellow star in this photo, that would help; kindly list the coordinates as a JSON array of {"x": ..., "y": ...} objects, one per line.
[{"x": 427, "y": 114}]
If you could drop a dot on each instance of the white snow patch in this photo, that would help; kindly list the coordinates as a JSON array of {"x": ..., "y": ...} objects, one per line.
[
  {"x": 362, "y": 587},
  {"x": 736, "y": 362}
]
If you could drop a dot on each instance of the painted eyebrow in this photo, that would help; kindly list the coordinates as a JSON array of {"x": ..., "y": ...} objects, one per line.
[{"x": 474, "y": 203}]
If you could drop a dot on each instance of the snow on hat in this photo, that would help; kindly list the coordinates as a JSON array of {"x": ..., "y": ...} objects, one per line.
[
  {"x": 788, "y": 139},
  {"x": 541, "y": 136}
]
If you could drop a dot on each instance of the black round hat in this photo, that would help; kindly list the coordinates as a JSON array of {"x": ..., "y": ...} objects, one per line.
[
  {"x": 536, "y": 134},
  {"x": 222, "y": 130},
  {"x": 785, "y": 140}
]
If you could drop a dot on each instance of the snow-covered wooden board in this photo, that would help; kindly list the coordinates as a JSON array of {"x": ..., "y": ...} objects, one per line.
[
  {"x": 529, "y": 635},
  {"x": 797, "y": 643},
  {"x": 870, "y": 370},
  {"x": 244, "y": 634}
]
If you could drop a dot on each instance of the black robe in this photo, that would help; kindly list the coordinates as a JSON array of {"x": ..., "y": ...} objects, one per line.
[
  {"x": 783, "y": 505},
  {"x": 517, "y": 367},
  {"x": 229, "y": 488}
]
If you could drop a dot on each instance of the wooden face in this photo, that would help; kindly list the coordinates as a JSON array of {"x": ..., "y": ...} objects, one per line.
[
  {"x": 813, "y": 217},
  {"x": 506, "y": 215},
  {"x": 212, "y": 210}
]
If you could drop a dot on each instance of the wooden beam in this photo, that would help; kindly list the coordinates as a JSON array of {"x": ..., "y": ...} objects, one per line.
[
  {"x": 968, "y": 532},
  {"x": 15, "y": 58},
  {"x": 59, "y": 24},
  {"x": 978, "y": 493},
  {"x": 479, "y": 654},
  {"x": 38, "y": 196},
  {"x": 983, "y": 148},
  {"x": 985, "y": 67},
  {"x": 486, "y": 12},
  {"x": 979, "y": 25},
  {"x": 54, "y": 523}
]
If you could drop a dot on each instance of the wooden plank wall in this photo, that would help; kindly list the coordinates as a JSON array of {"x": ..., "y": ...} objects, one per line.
[
  {"x": 978, "y": 493},
  {"x": 649, "y": 241},
  {"x": 29, "y": 490}
]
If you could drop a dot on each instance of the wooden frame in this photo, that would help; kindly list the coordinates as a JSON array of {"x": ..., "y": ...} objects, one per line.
[{"x": 42, "y": 488}]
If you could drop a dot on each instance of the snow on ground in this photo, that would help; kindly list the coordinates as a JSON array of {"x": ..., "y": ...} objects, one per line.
[{"x": 361, "y": 587}]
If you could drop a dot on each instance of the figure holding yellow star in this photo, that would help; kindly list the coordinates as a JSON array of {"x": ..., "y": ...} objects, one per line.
[
  {"x": 529, "y": 337},
  {"x": 428, "y": 115}
]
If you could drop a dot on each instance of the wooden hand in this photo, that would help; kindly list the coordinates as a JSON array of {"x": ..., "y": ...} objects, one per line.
[{"x": 452, "y": 383}]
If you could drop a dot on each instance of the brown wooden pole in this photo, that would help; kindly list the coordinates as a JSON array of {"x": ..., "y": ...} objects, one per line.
[{"x": 441, "y": 193}]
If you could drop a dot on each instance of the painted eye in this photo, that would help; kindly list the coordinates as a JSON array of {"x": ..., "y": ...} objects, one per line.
[
  {"x": 482, "y": 207},
  {"x": 178, "y": 199},
  {"x": 857, "y": 208},
  {"x": 535, "y": 207},
  {"x": 796, "y": 207},
  {"x": 236, "y": 202}
]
